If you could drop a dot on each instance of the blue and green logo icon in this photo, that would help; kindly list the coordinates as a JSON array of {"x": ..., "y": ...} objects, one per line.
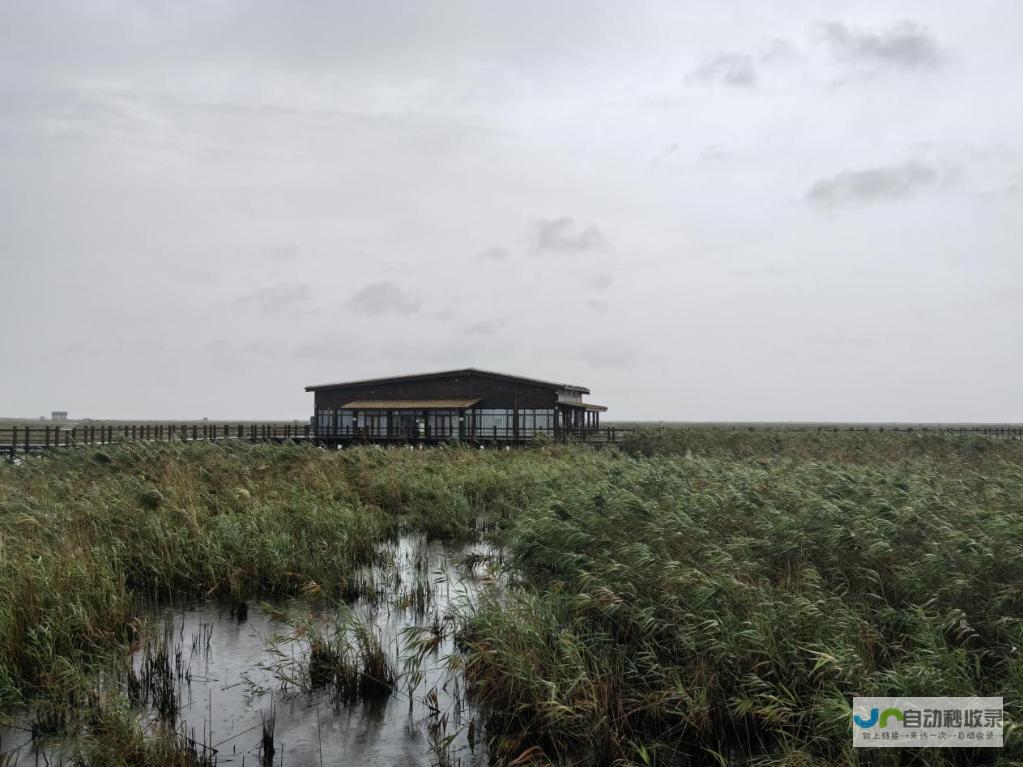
[{"x": 870, "y": 721}]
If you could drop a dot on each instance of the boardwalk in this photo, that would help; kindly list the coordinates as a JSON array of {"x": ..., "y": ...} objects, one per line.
[{"x": 34, "y": 439}]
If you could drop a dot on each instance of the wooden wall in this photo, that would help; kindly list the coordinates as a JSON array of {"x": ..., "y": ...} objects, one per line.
[{"x": 495, "y": 392}]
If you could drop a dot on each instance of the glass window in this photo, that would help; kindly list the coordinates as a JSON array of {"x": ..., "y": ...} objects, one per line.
[
  {"x": 325, "y": 420},
  {"x": 533, "y": 421},
  {"x": 490, "y": 419}
]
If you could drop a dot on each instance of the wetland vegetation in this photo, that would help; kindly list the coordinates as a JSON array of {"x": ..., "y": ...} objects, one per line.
[{"x": 694, "y": 597}]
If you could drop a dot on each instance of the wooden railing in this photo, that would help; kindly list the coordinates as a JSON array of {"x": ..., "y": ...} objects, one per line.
[
  {"x": 423, "y": 433},
  {"x": 27, "y": 439},
  {"x": 15, "y": 439}
]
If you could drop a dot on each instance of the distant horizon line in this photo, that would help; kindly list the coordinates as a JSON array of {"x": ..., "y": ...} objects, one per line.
[{"x": 607, "y": 422}]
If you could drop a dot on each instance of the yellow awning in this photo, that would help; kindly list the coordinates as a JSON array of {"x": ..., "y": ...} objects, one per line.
[{"x": 410, "y": 404}]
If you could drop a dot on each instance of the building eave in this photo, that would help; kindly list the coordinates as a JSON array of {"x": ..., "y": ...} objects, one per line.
[{"x": 449, "y": 374}]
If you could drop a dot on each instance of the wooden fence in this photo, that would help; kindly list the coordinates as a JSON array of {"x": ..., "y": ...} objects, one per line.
[
  {"x": 15, "y": 439},
  {"x": 28, "y": 439},
  {"x": 421, "y": 433}
]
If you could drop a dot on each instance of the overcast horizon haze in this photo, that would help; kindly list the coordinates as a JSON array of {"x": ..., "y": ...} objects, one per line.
[{"x": 728, "y": 211}]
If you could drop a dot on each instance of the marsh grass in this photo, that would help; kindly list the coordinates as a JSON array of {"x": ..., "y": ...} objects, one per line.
[
  {"x": 341, "y": 654},
  {"x": 698, "y": 598},
  {"x": 106, "y": 726},
  {"x": 848, "y": 447},
  {"x": 687, "y": 607}
]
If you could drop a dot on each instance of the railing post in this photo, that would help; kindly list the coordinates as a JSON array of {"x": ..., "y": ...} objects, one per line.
[
  {"x": 28, "y": 438},
  {"x": 14, "y": 441}
]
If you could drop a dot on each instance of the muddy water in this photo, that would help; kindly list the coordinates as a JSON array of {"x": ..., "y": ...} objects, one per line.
[{"x": 229, "y": 681}]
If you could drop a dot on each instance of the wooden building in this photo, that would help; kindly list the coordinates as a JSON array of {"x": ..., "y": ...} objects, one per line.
[{"x": 468, "y": 404}]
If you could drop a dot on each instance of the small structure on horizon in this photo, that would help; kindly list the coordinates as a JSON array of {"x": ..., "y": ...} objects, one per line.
[
  {"x": 58, "y": 416},
  {"x": 466, "y": 404}
]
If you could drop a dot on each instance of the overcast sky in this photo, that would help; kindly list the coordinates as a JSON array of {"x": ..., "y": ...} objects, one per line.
[{"x": 700, "y": 210}]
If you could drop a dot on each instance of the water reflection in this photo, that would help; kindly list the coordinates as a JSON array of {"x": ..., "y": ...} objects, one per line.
[{"x": 234, "y": 673}]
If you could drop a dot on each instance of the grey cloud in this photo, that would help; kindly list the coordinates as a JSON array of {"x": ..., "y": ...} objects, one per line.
[
  {"x": 278, "y": 297},
  {"x": 216, "y": 346},
  {"x": 713, "y": 155},
  {"x": 666, "y": 157},
  {"x": 597, "y": 306},
  {"x": 385, "y": 297},
  {"x": 599, "y": 281},
  {"x": 776, "y": 51},
  {"x": 840, "y": 341},
  {"x": 284, "y": 252},
  {"x": 495, "y": 253},
  {"x": 612, "y": 353},
  {"x": 906, "y": 45},
  {"x": 672, "y": 159},
  {"x": 873, "y": 184},
  {"x": 313, "y": 351},
  {"x": 484, "y": 328},
  {"x": 562, "y": 235},
  {"x": 259, "y": 347},
  {"x": 1015, "y": 186},
  {"x": 734, "y": 69}
]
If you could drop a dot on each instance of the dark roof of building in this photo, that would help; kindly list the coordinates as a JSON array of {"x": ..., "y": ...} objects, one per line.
[{"x": 450, "y": 374}]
